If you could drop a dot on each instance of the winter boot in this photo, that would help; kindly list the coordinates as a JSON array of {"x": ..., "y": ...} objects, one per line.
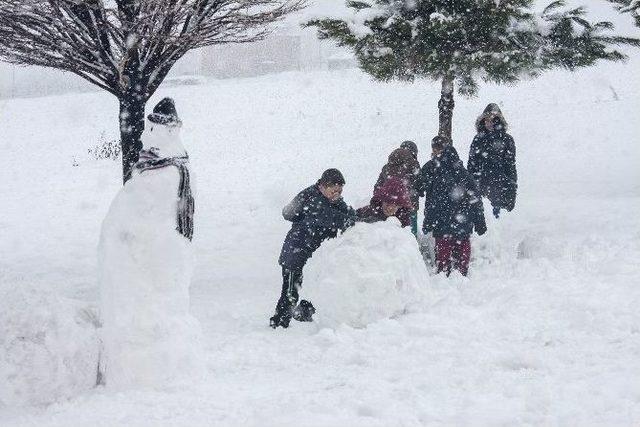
[
  {"x": 304, "y": 311},
  {"x": 280, "y": 319},
  {"x": 284, "y": 309}
]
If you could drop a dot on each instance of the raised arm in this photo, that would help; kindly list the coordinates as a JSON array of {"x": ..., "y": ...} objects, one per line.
[{"x": 294, "y": 210}]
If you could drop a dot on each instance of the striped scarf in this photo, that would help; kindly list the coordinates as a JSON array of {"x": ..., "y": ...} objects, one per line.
[{"x": 149, "y": 160}]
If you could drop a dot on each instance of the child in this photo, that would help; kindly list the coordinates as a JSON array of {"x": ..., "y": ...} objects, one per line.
[
  {"x": 317, "y": 214},
  {"x": 392, "y": 199},
  {"x": 492, "y": 160},
  {"x": 453, "y": 207},
  {"x": 403, "y": 164}
]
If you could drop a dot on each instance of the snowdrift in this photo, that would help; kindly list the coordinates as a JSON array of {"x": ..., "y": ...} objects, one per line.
[
  {"x": 49, "y": 347},
  {"x": 371, "y": 272}
]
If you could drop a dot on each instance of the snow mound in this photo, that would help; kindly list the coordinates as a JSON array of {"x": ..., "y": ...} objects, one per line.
[
  {"x": 150, "y": 338},
  {"x": 537, "y": 245},
  {"x": 49, "y": 347},
  {"x": 371, "y": 272}
]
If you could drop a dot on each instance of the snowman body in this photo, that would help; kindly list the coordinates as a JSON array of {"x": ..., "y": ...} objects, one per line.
[{"x": 149, "y": 337}]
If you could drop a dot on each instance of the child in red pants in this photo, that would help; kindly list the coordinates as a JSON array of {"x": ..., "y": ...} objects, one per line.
[
  {"x": 452, "y": 252},
  {"x": 453, "y": 207}
]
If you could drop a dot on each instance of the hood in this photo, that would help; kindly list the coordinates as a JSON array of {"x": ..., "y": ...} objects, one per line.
[
  {"x": 411, "y": 146},
  {"x": 394, "y": 190},
  {"x": 491, "y": 109},
  {"x": 400, "y": 156},
  {"x": 449, "y": 157}
]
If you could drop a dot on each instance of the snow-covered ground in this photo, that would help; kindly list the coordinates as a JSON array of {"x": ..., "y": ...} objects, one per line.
[{"x": 545, "y": 331}]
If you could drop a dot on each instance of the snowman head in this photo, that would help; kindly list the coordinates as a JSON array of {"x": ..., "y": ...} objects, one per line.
[
  {"x": 162, "y": 132},
  {"x": 164, "y": 113}
]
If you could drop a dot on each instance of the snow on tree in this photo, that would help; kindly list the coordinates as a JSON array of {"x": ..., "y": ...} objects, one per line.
[
  {"x": 631, "y": 7},
  {"x": 463, "y": 41},
  {"x": 127, "y": 47}
]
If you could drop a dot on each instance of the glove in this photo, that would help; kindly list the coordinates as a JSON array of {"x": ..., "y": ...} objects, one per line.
[{"x": 349, "y": 222}]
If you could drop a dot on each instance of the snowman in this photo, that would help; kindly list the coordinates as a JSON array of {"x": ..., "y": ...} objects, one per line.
[{"x": 145, "y": 261}]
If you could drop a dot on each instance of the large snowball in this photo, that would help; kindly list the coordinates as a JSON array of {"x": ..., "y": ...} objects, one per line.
[
  {"x": 49, "y": 347},
  {"x": 150, "y": 338},
  {"x": 371, "y": 272}
]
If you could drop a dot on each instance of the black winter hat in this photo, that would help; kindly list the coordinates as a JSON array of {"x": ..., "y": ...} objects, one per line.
[
  {"x": 449, "y": 156},
  {"x": 164, "y": 113},
  {"x": 331, "y": 177},
  {"x": 440, "y": 142},
  {"x": 411, "y": 146}
]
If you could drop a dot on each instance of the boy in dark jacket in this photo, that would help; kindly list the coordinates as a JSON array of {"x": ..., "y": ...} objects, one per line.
[
  {"x": 317, "y": 213},
  {"x": 453, "y": 207},
  {"x": 492, "y": 160}
]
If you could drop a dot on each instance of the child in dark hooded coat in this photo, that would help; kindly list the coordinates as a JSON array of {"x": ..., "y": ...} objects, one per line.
[
  {"x": 492, "y": 160},
  {"x": 453, "y": 208}
]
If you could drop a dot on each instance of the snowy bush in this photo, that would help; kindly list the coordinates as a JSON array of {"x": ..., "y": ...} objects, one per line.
[
  {"x": 49, "y": 347},
  {"x": 537, "y": 245},
  {"x": 105, "y": 149},
  {"x": 371, "y": 272}
]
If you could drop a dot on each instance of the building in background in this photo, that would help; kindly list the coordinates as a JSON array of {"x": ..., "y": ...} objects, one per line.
[
  {"x": 18, "y": 81},
  {"x": 289, "y": 48},
  {"x": 280, "y": 52}
]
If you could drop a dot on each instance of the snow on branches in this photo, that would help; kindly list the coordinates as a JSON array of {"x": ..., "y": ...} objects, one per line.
[
  {"x": 101, "y": 40},
  {"x": 631, "y": 7},
  {"x": 462, "y": 41},
  {"x": 127, "y": 47},
  {"x": 498, "y": 41}
]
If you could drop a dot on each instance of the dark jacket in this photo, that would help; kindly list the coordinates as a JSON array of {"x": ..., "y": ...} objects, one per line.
[
  {"x": 401, "y": 164},
  {"x": 315, "y": 218},
  {"x": 492, "y": 162},
  {"x": 453, "y": 206}
]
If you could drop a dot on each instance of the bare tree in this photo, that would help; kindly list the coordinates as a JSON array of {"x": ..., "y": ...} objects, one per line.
[{"x": 127, "y": 47}]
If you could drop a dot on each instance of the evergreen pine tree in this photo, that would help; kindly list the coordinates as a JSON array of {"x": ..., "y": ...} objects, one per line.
[
  {"x": 459, "y": 42},
  {"x": 629, "y": 6}
]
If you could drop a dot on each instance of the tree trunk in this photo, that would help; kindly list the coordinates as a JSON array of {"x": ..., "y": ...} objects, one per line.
[
  {"x": 445, "y": 108},
  {"x": 131, "y": 126},
  {"x": 132, "y": 97}
]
